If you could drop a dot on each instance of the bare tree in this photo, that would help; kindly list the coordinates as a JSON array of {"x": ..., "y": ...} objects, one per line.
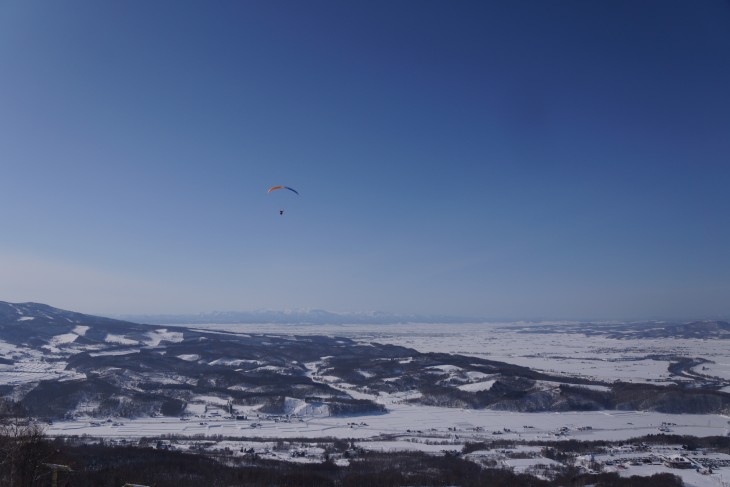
[{"x": 23, "y": 448}]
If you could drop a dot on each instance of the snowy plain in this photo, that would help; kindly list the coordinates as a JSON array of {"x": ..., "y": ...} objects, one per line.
[
  {"x": 575, "y": 355},
  {"x": 594, "y": 357},
  {"x": 406, "y": 426}
]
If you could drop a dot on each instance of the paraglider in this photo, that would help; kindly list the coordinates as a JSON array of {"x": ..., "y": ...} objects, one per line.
[{"x": 274, "y": 188}]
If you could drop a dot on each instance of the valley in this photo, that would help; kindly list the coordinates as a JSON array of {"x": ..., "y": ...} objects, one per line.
[{"x": 292, "y": 393}]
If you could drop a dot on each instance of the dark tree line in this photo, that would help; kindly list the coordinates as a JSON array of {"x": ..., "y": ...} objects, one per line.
[
  {"x": 106, "y": 466},
  {"x": 23, "y": 452}
]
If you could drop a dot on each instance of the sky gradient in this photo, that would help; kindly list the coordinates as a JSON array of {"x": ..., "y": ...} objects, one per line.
[{"x": 502, "y": 160}]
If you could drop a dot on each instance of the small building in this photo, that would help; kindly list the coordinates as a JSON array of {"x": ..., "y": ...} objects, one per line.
[{"x": 678, "y": 461}]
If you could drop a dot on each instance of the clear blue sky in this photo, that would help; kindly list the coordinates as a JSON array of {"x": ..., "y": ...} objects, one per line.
[{"x": 507, "y": 159}]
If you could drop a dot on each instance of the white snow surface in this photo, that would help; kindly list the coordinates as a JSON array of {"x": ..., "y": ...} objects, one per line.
[
  {"x": 80, "y": 330},
  {"x": 189, "y": 357},
  {"x": 63, "y": 339},
  {"x": 155, "y": 338},
  {"x": 120, "y": 339},
  {"x": 477, "y": 386}
]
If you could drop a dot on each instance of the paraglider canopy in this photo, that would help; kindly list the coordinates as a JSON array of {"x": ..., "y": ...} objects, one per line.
[{"x": 282, "y": 187}]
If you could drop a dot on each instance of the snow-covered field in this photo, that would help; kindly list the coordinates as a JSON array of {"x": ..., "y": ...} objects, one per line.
[
  {"x": 31, "y": 366},
  {"x": 452, "y": 426},
  {"x": 577, "y": 355}
]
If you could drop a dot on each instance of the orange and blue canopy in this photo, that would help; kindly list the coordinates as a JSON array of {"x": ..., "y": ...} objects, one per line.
[{"x": 282, "y": 187}]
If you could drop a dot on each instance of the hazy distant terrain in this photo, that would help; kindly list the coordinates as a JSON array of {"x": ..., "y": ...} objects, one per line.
[{"x": 308, "y": 317}]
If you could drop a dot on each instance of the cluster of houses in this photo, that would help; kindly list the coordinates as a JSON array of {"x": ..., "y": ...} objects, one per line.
[{"x": 670, "y": 457}]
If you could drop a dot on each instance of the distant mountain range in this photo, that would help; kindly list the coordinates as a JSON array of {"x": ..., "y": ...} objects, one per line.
[{"x": 307, "y": 316}]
